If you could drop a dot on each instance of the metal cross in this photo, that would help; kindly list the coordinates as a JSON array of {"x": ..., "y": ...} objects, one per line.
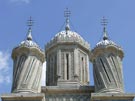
[
  {"x": 30, "y": 22},
  {"x": 104, "y": 22},
  {"x": 67, "y": 13}
]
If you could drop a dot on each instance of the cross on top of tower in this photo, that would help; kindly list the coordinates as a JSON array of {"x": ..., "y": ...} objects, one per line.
[
  {"x": 104, "y": 24},
  {"x": 67, "y": 15},
  {"x": 30, "y": 22}
]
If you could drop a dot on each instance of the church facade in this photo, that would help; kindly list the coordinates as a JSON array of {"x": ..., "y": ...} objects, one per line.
[{"x": 67, "y": 70}]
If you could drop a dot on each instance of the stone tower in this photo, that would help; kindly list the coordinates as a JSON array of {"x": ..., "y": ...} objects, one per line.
[
  {"x": 27, "y": 70},
  {"x": 106, "y": 58},
  {"x": 67, "y": 56},
  {"x": 67, "y": 69},
  {"x": 107, "y": 66}
]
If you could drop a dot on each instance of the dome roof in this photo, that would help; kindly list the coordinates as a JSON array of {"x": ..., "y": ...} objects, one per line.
[
  {"x": 67, "y": 36},
  {"x": 106, "y": 45},
  {"x": 29, "y": 42},
  {"x": 106, "y": 42}
]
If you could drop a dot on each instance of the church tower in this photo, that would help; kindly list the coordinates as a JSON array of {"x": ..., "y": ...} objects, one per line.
[
  {"x": 106, "y": 58},
  {"x": 67, "y": 56},
  {"x": 107, "y": 65},
  {"x": 27, "y": 70}
]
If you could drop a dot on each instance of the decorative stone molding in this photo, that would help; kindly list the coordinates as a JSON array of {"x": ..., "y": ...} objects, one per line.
[{"x": 70, "y": 37}]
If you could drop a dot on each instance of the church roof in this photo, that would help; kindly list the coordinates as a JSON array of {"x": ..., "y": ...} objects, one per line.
[
  {"x": 29, "y": 42},
  {"x": 106, "y": 41},
  {"x": 68, "y": 36}
]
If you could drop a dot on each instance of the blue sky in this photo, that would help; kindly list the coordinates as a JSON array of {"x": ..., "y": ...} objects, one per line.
[{"x": 48, "y": 16}]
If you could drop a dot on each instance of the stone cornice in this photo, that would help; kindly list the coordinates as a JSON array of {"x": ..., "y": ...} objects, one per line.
[
  {"x": 29, "y": 51},
  {"x": 109, "y": 48},
  {"x": 47, "y": 48},
  {"x": 58, "y": 89},
  {"x": 111, "y": 96},
  {"x": 23, "y": 96}
]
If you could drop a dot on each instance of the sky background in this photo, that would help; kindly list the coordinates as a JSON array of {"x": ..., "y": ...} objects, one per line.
[{"x": 48, "y": 16}]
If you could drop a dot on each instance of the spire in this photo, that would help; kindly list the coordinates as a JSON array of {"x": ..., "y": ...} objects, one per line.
[
  {"x": 29, "y": 36},
  {"x": 104, "y": 24},
  {"x": 30, "y": 24},
  {"x": 67, "y": 15}
]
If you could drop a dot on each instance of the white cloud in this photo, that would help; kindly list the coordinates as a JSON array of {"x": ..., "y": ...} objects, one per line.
[
  {"x": 43, "y": 80},
  {"x": 21, "y": 1},
  {"x": 4, "y": 67}
]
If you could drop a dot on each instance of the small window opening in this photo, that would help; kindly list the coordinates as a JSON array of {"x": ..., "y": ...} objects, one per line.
[{"x": 67, "y": 61}]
